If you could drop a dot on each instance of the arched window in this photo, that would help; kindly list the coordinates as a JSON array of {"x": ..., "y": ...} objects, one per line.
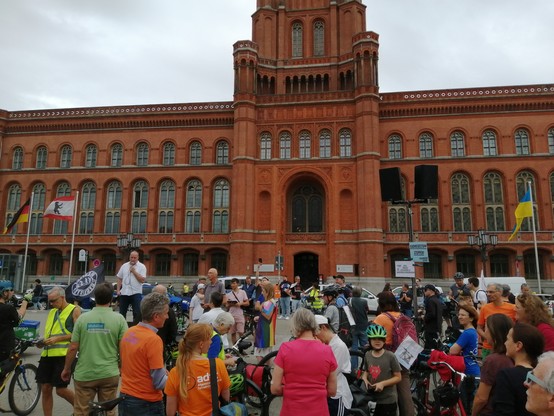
[
  {"x": 325, "y": 144},
  {"x": 37, "y": 210},
  {"x": 465, "y": 263},
  {"x": 305, "y": 145},
  {"x": 494, "y": 202},
  {"x": 551, "y": 140},
  {"x": 489, "y": 143},
  {"x": 552, "y": 192},
  {"x": 66, "y": 155},
  {"x": 17, "y": 158},
  {"x": 397, "y": 219},
  {"x": 499, "y": 264},
  {"x": 142, "y": 154},
  {"x": 195, "y": 157},
  {"x": 433, "y": 268},
  {"x": 169, "y": 154},
  {"x": 42, "y": 157},
  {"x": 319, "y": 38},
  {"x": 265, "y": 146},
  {"x": 395, "y": 147},
  {"x": 284, "y": 145},
  {"x": 14, "y": 203},
  {"x": 425, "y": 145},
  {"x": 55, "y": 266},
  {"x": 345, "y": 143},
  {"x": 91, "y": 153},
  {"x": 193, "y": 207},
  {"x": 297, "y": 40},
  {"x": 140, "y": 207},
  {"x": 522, "y": 186},
  {"x": 88, "y": 205},
  {"x": 461, "y": 204},
  {"x": 457, "y": 145},
  {"x": 429, "y": 215},
  {"x": 163, "y": 264},
  {"x": 60, "y": 227},
  {"x": 522, "y": 142},
  {"x": 307, "y": 210},
  {"x": 222, "y": 153},
  {"x": 190, "y": 264},
  {"x": 166, "y": 207},
  {"x": 113, "y": 208},
  {"x": 117, "y": 155},
  {"x": 221, "y": 207}
]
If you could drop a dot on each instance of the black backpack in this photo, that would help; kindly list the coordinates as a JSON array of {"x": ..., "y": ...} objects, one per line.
[{"x": 345, "y": 329}]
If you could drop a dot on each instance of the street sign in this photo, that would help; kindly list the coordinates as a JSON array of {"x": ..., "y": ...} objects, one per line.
[
  {"x": 82, "y": 255},
  {"x": 419, "y": 253},
  {"x": 96, "y": 263},
  {"x": 404, "y": 269}
]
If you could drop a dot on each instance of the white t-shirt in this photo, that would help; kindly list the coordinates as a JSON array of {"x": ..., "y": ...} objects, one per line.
[
  {"x": 197, "y": 310},
  {"x": 340, "y": 351},
  {"x": 129, "y": 283},
  {"x": 480, "y": 297}
]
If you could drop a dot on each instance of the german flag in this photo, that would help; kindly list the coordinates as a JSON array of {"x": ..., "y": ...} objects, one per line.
[{"x": 20, "y": 216}]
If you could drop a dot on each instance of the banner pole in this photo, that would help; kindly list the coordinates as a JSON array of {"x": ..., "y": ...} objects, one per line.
[{"x": 73, "y": 238}]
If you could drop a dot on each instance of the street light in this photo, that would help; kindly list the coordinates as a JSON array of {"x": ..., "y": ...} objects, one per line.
[
  {"x": 483, "y": 240},
  {"x": 128, "y": 241}
]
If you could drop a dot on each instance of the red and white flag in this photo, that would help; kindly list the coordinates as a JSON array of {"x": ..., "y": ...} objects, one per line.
[{"x": 61, "y": 208}]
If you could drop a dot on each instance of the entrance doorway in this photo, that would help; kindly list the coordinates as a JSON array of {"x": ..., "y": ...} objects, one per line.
[{"x": 306, "y": 265}]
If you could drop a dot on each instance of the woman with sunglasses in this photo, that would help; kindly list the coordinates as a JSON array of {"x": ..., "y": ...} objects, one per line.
[{"x": 524, "y": 345}]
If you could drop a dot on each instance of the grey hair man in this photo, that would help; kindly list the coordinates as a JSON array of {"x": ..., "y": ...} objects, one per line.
[
  {"x": 168, "y": 332},
  {"x": 540, "y": 386}
]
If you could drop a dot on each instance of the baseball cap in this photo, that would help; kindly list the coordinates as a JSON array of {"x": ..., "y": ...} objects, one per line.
[
  {"x": 321, "y": 320},
  {"x": 201, "y": 286},
  {"x": 430, "y": 287}
]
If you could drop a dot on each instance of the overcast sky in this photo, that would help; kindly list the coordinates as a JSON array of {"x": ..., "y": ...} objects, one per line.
[{"x": 86, "y": 53}]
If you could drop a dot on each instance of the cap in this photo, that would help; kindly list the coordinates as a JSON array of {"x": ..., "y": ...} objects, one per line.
[
  {"x": 201, "y": 286},
  {"x": 430, "y": 287},
  {"x": 321, "y": 320}
]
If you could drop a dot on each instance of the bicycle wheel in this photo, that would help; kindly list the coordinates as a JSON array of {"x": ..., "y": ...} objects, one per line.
[
  {"x": 24, "y": 392},
  {"x": 272, "y": 406},
  {"x": 268, "y": 357},
  {"x": 254, "y": 396}
]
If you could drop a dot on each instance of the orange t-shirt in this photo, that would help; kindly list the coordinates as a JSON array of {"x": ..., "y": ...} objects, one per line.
[
  {"x": 141, "y": 350},
  {"x": 199, "y": 399},
  {"x": 386, "y": 323},
  {"x": 489, "y": 309}
]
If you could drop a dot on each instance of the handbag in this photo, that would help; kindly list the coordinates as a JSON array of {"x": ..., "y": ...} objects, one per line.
[{"x": 230, "y": 409}]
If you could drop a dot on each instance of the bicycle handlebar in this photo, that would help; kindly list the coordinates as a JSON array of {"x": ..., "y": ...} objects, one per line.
[{"x": 445, "y": 364}]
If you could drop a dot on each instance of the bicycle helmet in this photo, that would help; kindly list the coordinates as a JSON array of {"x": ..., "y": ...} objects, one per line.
[
  {"x": 376, "y": 331},
  {"x": 237, "y": 384},
  {"x": 331, "y": 291},
  {"x": 5, "y": 285},
  {"x": 459, "y": 275}
]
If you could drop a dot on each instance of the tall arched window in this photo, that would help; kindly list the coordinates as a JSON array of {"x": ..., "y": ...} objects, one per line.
[
  {"x": 397, "y": 219},
  {"x": 60, "y": 227},
  {"x": 522, "y": 142},
  {"x": 91, "y": 153},
  {"x": 113, "y": 208},
  {"x": 461, "y": 204},
  {"x": 265, "y": 146},
  {"x": 305, "y": 145},
  {"x": 140, "y": 207},
  {"x": 117, "y": 155},
  {"x": 345, "y": 143},
  {"x": 297, "y": 40},
  {"x": 166, "y": 207},
  {"x": 37, "y": 210},
  {"x": 169, "y": 154},
  {"x": 221, "y": 207},
  {"x": 42, "y": 157},
  {"x": 395, "y": 147},
  {"x": 193, "y": 207},
  {"x": 429, "y": 216},
  {"x": 14, "y": 203},
  {"x": 522, "y": 186},
  {"x": 307, "y": 210},
  {"x": 325, "y": 144},
  {"x": 222, "y": 153},
  {"x": 425, "y": 145},
  {"x": 552, "y": 192},
  {"x": 142, "y": 154},
  {"x": 17, "y": 158},
  {"x": 319, "y": 38},
  {"x": 195, "y": 157},
  {"x": 284, "y": 145},
  {"x": 66, "y": 155},
  {"x": 551, "y": 140},
  {"x": 457, "y": 145},
  {"x": 494, "y": 202},
  {"x": 88, "y": 205},
  {"x": 489, "y": 143}
]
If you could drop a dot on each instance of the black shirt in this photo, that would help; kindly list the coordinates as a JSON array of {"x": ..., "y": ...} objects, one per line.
[
  {"x": 510, "y": 395},
  {"x": 9, "y": 319},
  {"x": 433, "y": 314}
]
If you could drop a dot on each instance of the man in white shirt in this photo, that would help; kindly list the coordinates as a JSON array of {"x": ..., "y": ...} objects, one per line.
[
  {"x": 479, "y": 295},
  {"x": 130, "y": 278},
  {"x": 215, "y": 309}
]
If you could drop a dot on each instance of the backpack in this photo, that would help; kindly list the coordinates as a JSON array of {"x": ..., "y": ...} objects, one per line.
[
  {"x": 345, "y": 327},
  {"x": 402, "y": 327}
]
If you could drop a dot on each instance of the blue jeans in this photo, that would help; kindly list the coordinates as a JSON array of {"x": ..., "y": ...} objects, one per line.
[
  {"x": 134, "y": 301},
  {"x": 133, "y": 406},
  {"x": 359, "y": 340},
  {"x": 285, "y": 306},
  {"x": 295, "y": 305}
]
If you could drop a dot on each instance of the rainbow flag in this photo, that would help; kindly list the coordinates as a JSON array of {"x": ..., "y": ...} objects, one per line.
[
  {"x": 523, "y": 210},
  {"x": 21, "y": 216}
]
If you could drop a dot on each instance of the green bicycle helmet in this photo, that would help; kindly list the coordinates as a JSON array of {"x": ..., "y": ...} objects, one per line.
[
  {"x": 237, "y": 384},
  {"x": 5, "y": 285},
  {"x": 376, "y": 331}
]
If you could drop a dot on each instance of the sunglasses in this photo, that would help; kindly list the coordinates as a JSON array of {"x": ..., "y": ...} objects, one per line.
[
  {"x": 531, "y": 378},
  {"x": 53, "y": 300}
]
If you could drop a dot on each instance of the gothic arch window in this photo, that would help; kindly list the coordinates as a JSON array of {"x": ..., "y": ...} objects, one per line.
[
  {"x": 14, "y": 203},
  {"x": 140, "y": 207},
  {"x": 142, "y": 154},
  {"x": 222, "y": 153},
  {"x": 307, "y": 210},
  {"x": 457, "y": 145},
  {"x": 195, "y": 157},
  {"x": 345, "y": 143},
  {"x": 429, "y": 216},
  {"x": 39, "y": 199},
  {"x": 522, "y": 186},
  {"x": 499, "y": 264},
  {"x": 42, "y": 157},
  {"x": 319, "y": 38},
  {"x": 551, "y": 140},
  {"x": 265, "y": 146},
  {"x": 325, "y": 144},
  {"x": 461, "y": 204},
  {"x": 117, "y": 156},
  {"x": 297, "y": 40},
  {"x": 285, "y": 145},
  {"x": 60, "y": 227},
  {"x": 190, "y": 264},
  {"x": 17, "y": 158},
  {"x": 397, "y": 219},
  {"x": 66, "y": 155},
  {"x": 465, "y": 263},
  {"x": 552, "y": 192},
  {"x": 168, "y": 154},
  {"x": 305, "y": 144},
  {"x": 395, "y": 147},
  {"x": 494, "y": 202},
  {"x": 193, "y": 207},
  {"x": 522, "y": 142},
  {"x": 425, "y": 145},
  {"x": 91, "y": 154},
  {"x": 166, "y": 206},
  {"x": 113, "y": 208},
  {"x": 220, "y": 215},
  {"x": 162, "y": 264},
  {"x": 489, "y": 143},
  {"x": 88, "y": 204}
]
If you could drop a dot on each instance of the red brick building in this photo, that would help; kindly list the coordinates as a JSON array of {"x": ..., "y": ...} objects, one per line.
[{"x": 291, "y": 165}]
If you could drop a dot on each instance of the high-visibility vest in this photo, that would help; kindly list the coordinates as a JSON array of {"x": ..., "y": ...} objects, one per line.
[
  {"x": 222, "y": 350},
  {"x": 317, "y": 303},
  {"x": 55, "y": 325}
]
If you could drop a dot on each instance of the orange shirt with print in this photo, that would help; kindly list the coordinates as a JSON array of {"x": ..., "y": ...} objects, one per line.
[
  {"x": 489, "y": 309},
  {"x": 199, "y": 399},
  {"x": 387, "y": 323},
  {"x": 141, "y": 350}
]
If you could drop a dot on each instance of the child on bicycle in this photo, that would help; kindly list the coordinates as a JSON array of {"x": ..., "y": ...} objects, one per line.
[{"x": 381, "y": 372}]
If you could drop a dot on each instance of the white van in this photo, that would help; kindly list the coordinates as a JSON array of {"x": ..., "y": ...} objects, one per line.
[{"x": 514, "y": 282}]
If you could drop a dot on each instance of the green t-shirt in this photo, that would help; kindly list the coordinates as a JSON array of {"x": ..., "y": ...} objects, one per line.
[{"x": 98, "y": 333}]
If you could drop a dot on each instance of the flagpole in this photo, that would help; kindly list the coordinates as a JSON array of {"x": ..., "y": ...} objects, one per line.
[
  {"x": 535, "y": 239},
  {"x": 27, "y": 243},
  {"x": 73, "y": 238}
]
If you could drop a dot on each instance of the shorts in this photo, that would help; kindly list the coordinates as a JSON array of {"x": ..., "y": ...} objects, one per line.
[
  {"x": 238, "y": 326},
  {"x": 50, "y": 371}
]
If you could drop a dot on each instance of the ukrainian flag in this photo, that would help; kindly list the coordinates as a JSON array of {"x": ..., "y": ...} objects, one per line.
[{"x": 523, "y": 210}]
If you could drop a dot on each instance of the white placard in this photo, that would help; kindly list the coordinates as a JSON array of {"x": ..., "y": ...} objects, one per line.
[
  {"x": 264, "y": 268},
  {"x": 404, "y": 268},
  {"x": 345, "y": 268},
  {"x": 407, "y": 352}
]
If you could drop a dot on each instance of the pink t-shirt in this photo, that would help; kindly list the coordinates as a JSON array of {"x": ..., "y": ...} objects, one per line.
[
  {"x": 306, "y": 365},
  {"x": 235, "y": 309}
]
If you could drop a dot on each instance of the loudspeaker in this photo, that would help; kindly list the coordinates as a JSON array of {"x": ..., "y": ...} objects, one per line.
[
  {"x": 391, "y": 188},
  {"x": 426, "y": 181}
]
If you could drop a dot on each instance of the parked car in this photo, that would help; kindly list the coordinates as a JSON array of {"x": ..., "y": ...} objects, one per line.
[
  {"x": 43, "y": 300},
  {"x": 370, "y": 297}
]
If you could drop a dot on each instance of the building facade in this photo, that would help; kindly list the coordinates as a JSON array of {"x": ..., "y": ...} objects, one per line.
[{"x": 290, "y": 167}]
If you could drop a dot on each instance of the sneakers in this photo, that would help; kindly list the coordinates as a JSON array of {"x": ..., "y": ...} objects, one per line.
[
  {"x": 288, "y": 317},
  {"x": 280, "y": 317}
]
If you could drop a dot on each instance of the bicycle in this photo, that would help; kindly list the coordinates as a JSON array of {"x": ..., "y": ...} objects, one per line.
[
  {"x": 24, "y": 391},
  {"x": 102, "y": 408}
]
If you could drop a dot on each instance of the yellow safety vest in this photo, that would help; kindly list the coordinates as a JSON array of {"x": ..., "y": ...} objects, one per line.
[
  {"x": 55, "y": 325},
  {"x": 222, "y": 350},
  {"x": 317, "y": 303}
]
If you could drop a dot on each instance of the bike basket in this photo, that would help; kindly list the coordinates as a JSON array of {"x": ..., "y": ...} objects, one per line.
[{"x": 446, "y": 395}]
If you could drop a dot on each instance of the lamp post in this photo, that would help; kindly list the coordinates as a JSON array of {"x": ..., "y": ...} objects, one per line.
[
  {"x": 128, "y": 242},
  {"x": 483, "y": 241}
]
